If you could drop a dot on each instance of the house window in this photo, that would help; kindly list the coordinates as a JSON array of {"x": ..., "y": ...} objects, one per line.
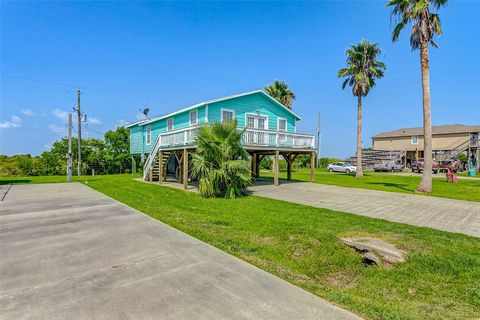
[
  {"x": 169, "y": 124},
  {"x": 227, "y": 115},
  {"x": 282, "y": 127},
  {"x": 193, "y": 117},
  {"x": 148, "y": 137},
  {"x": 250, "y": 122},
  {"x": 414, "y": 139}
]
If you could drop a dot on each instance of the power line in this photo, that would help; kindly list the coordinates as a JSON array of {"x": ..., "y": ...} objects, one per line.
[
  {"x": 94, "y": 131},
  {"x": 90, "y": 89},
  {"x": 34, "y": 80},
  {"x": 34, "y": 85}
]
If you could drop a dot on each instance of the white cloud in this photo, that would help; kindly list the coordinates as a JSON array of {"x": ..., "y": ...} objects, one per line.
[
  {"x": 28, "y": 112},
  {"x": 60, "y": 114},
  {"x": 121, "y": 123},
  {"x": 93, "y": 120},
  {"x": 14, "y": 122},
  {"x": 60, "y": 131}
]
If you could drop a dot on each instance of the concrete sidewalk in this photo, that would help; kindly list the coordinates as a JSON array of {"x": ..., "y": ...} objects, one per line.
[
  {"x": 68, "y": 252},
  {"x": 434, "y": 212}
]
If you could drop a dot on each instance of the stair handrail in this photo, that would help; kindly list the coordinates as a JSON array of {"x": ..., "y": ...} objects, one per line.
[
  {"x": 460, "y": 148},
  {"x": 151, "y": 157}
]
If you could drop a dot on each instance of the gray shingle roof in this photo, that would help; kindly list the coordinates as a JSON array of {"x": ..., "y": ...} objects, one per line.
[{"x": 450, "y": 128}]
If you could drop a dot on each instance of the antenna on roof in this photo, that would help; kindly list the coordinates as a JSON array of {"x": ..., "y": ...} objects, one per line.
[{"x": 145, "y": 113}]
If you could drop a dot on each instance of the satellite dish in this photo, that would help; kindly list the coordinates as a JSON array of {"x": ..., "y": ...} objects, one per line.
[{"x": 146, "y": 111}]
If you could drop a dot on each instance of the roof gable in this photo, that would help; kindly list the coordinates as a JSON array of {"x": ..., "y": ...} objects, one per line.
[
  {"x": 274, "y": 101},
  {"x": 443, "y": 129}
]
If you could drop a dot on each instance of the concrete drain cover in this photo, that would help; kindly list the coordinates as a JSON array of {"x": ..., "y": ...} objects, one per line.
[{"x": 374, "y": 247}]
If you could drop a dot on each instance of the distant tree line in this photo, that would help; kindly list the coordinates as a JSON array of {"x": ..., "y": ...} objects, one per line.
[{"x": 107, "y": 156}]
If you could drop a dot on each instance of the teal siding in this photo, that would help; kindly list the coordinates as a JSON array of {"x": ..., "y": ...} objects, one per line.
[
  {"x": 251, "y": 104},
  {"x": 136, "y": 139},
  {"x": 242, "y": 105}
]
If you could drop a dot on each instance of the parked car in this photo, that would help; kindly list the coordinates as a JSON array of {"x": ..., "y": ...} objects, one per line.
[
  {"x": 417, "y": 166},
  {"x": 455, "y": 165},
  {"x": 341, "y": 167},
  {"x": 388, "y": 166}
]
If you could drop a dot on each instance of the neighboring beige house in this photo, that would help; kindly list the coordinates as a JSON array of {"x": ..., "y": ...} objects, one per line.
[{"x": 447, "y": 141}]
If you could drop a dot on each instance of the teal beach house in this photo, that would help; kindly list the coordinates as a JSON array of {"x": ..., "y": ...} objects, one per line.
[{"x": 165, "y": 142}]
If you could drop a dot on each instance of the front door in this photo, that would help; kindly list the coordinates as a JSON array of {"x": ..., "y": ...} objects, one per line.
[{"x": 259, "y": 123}]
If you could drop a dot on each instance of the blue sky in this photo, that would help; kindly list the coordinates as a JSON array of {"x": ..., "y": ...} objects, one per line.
[{"x": 128, "y": 55}]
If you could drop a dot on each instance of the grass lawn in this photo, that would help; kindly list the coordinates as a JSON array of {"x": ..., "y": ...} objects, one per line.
[
  {"x": 301, "y": 244},
  {"x": 463, "y": 190}
]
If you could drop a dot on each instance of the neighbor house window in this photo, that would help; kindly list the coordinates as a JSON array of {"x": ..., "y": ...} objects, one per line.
[
  {"x": 148, "y": 137},
  {"x": 170, "y": 124},
  {"x": 227, "y": 115},
  {"x": 414, "y": 139},
  {"x": 193, "y": 117}
]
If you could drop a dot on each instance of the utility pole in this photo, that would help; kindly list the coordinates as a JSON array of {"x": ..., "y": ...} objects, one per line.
[
  {"x": 69, "y": 155},
  {"x": 318, "y": 141},
  {"x": 79, "y": 117}
]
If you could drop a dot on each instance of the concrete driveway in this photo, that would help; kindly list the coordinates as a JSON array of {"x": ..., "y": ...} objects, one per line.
[
  {"x": 68, "y": 252},
  {"x": 425, "y": 211}
]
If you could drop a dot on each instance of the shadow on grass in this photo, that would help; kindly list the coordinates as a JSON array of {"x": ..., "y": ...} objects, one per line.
[
  {"x": 393, "y": 185},
  {"x": 4, "y": 182}
]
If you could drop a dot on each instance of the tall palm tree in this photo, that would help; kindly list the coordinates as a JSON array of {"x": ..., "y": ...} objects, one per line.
[
  {"x": 220, "y": 163},
  {"x": 280, "y": 91},
  {"x": 361, "y": 71},
  {"x": 425, "y": 25}
]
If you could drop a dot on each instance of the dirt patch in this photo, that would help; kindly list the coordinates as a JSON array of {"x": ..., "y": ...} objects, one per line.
[
  {"x": 301, "y": 252},
  {"x": 294, "y": 277},
  {"x": 264, "y": 240},
  {"x": 279, "y": 270},
  {"x": 342, "y": 280}
]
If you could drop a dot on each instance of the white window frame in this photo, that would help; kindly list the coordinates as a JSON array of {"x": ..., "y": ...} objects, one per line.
[
  {"x": 256, "y": 121},
  {"x": 190, "y": 117},
  {"x": 228, "y": 110},
  {"x": 411, "y": 140},
  {"x": 282, "y": 136},
  {"x": 148, "y": 134},
  {"x": 173, "y": 124},
  {"x": 278, "y": 124}
]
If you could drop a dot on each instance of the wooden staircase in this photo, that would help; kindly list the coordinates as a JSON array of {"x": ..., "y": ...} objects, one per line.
[{"x": 155, "y": 169}]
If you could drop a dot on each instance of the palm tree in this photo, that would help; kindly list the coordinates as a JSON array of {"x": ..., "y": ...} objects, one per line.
[
  {"x": 424, "y": 25},
  {"x": 280, "y": 91},
  {"x": 361, "y": 71},
  {"x": 220, "y": 163}
]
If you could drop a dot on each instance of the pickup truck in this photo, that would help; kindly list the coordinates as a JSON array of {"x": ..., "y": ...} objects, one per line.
[
  {"x": 455, "y": 165},
  {"x": 417, "y": 166},
  {"x": 388, "y": 166}
]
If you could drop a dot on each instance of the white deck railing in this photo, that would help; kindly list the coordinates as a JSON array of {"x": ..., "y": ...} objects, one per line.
[
  {"x": 251, "y": 138},
  {"x": 254, "y": 138}
]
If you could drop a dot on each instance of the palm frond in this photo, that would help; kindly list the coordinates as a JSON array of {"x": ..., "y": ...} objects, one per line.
[
  {"x": 362, "y": 67},
  {"x": 279, "y": 91},
  {"x": 220, "y": 162}
]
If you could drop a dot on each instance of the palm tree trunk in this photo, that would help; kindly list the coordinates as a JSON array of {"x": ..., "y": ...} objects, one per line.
[
  {"x": 426, "y": 182},
  {"x": 359, "y": 173}
]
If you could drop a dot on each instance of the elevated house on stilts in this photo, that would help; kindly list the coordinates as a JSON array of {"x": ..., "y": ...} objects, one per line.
[{"x": 166, "y": 142}]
